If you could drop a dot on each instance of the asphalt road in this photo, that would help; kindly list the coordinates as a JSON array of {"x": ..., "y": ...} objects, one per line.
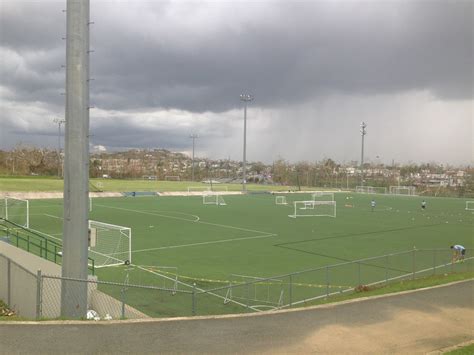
[{"x": 413, "y": 322}]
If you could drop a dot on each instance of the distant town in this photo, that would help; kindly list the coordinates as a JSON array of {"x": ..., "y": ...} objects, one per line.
[{"x": 161, "y": 164}]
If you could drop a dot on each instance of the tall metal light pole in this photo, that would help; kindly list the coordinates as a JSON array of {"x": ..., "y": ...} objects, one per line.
[
  {"x": 76, "y": 162},
  {"x": 246, "y": 98},
  {"x": 59, "y": 121},
  {"x": 193, "y": 137},
  {"x": 363, "y": 132}
]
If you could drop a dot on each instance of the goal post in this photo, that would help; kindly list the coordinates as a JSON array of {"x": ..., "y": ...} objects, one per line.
[
  {"x": 280, "y": 200},
  {"x": 16, "y": 210},
  {"x": 469, "y": 205},
  {"x": 213, "y": 198},
  {"x": 172, "y": 178},
  {"x": 109, "y": 244},
  {"x": 313, "y": 208},
  {"x": 403, "y": 190}
]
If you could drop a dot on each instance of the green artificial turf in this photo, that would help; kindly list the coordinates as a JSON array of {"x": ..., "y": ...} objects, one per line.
[{"x": 251, "y": 237}]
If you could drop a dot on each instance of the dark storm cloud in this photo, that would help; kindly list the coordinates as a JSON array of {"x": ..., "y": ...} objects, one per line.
[
  {"x": 162, "y": 62},
  {"x": 179, "y": 55},
  {"x": 295, "y": 53}
]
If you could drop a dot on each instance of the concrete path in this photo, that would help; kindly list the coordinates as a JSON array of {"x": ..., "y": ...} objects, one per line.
[{"x": 414, "y": 322}]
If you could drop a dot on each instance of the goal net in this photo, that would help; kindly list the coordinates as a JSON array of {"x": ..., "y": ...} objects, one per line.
[
  {"x": 109, "y": 244},
  {"x": 210, "y": 198},
  {"x": 322, "y": 196},
  {"x": 403, "y": 190},
  {"x": 314, "y": 209},
  {"x": 371, "y": 190},
  {"x": 469, "y": 205},
  {"x": 280, "y": 200},
  {"x": 16, "y": 210},
  {"x": 257, "y": 292}
]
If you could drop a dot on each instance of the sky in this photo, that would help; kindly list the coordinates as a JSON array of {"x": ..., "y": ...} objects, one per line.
[{"x": 163, "y": 70}]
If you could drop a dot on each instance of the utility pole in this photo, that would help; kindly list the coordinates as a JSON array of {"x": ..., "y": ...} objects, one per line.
[
  {"x": 246, "y": 98},
  {"x": 193, "y": 137},
  {"x": 76, "y": 162},
  {"x": 59, "y": 121},
  {"x": 363, "y": 132}
]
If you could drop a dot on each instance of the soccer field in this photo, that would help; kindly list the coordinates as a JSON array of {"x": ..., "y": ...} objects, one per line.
[{"x": 251, "y": 237}]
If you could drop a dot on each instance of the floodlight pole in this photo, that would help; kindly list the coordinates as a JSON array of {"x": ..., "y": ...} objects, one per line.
[
  {"x": 59, "y": 121},
  {"x": 363, "y": 132},
  {"x": 246, "y": 98},
  {"x": 76, "y": 163},
  {"x": 193, "y": 137}
]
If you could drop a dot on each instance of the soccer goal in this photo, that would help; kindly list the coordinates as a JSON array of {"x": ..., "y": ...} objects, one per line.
[
  {"x": 322, "y": 196},
  {"x": 109, "y": 244},
  {"x": 469, "y": 205},
  {"x": 211, "y": 198},
  {"x": 280, "y": 200},
  {"x": 403, "y": 190},
  {"x": 314, "y": 209},
  {"x": 172, "y": 178},
  {"x": 257, "y": 292},
  {"x": 193, "y": 190},
  {"x": 371, "y": 190},
  {"x": 16, "y": 210}
]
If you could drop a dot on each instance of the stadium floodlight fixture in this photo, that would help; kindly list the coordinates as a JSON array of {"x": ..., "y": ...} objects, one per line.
[
  {"x": 193, "y": 137},
  {"x": 363, "y": 132},
  {"x": 59, "y": 121},
  {"x": 245, "y": 98}
]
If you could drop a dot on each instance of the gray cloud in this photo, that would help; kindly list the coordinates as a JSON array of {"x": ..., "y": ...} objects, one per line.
[{"x": 313, "y": 67}]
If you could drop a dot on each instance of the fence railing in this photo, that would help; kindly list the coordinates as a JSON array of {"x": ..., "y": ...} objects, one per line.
[
  {"x": 169, "y": 297},
  {"x": 35, "y": 243}
]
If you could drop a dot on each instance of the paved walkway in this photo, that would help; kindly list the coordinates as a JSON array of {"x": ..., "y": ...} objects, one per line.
[{"x": 412, "y": 322}]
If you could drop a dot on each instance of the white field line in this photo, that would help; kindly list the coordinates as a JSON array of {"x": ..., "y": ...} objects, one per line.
[
  {"x": 188, "y": 220},
  {"x": 50, "y": 215},
  {"x": 196, "y": 218},
  {"x": 45, "y": 234},
  {"x": 204, "y": 243}
]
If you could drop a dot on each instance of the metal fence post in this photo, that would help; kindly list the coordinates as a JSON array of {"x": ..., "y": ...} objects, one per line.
[
  {"x": 9, "y": 282},
  {"x": 327, "y": 281},
  {"x": 38, "y": 294},
  {"x": 194, "y": 300},
  {"x": 434, "y": 262},
  {"x": 291, "y": 291},
  {"x": 386, "y": 268},
  {"x": 358, "y": 271},
  {"x": 122, "y": 291},
  {"x": 413, "y": 264}
]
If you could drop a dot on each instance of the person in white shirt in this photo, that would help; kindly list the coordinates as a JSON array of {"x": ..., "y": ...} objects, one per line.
[
  {"x": 459, "y": 252},
  {"x": 373, "y": 204}
]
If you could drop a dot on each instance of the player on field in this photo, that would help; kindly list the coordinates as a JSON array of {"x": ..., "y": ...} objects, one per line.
[
  {"x": 373, "y": 204},
  {"x": 423, "y": 205},
  {"x": 459, "y": 253}
]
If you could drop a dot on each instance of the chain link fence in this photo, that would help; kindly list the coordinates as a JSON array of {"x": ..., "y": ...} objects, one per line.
[{"x": 142, "y": 295}]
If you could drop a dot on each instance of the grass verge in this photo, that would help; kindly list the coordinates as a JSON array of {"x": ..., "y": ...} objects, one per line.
[
  {"x": 465, "y": 350},
  {"x": 406, "y": 285}
]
